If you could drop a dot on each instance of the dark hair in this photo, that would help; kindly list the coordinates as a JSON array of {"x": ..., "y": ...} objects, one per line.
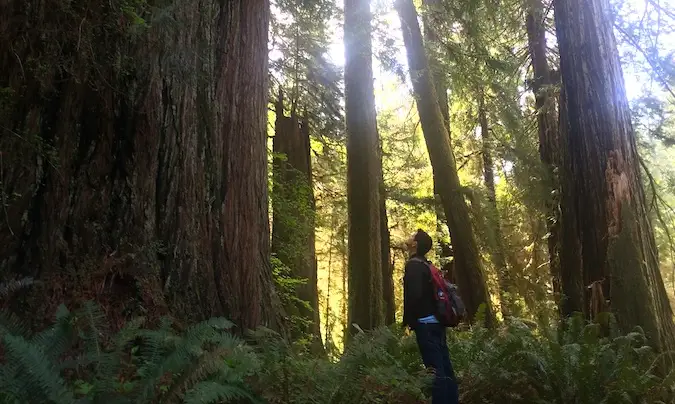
[{"x": 423, "y": 242}]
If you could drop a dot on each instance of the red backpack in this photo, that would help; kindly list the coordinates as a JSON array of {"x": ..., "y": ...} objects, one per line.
[{"x": 450, "y": 309}]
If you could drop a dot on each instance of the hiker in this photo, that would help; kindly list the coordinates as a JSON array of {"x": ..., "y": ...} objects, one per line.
[{"x": 419, "y": 313}]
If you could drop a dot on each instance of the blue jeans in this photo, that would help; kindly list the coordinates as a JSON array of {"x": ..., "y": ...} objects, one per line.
[{"x": 434, "y": 349}]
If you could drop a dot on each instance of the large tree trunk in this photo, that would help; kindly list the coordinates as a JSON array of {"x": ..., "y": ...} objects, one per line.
[
  {"x": 363, "y": 171},
  {"x": 293, "y": 238},
  {"x": 469, "y": 270},
  {"x": 438, "y": 74},
  {"x": 440, "y": 81},
  {"x": 603, "y": 175},
  {"x": 496, "y": 243},
  {"x": 137, "y": 161},
  {"x": 548, "y": 133}
]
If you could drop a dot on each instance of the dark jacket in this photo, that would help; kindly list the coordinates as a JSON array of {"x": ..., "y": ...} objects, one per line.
[{"x": 418, "y": 292}]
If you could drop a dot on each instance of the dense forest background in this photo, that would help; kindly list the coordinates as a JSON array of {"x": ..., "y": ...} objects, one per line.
[{"x": 220, "y": 192}]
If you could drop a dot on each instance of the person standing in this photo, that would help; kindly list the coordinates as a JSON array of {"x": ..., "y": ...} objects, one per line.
[{"x": 419, "y": 314}]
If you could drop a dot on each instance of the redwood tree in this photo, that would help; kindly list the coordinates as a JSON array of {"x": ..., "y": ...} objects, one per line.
[
  {"x": 387, "y": 264},
  {"x": 363, "y": 170},
  {"x": 293, "y": 205},
  {"x": 496, "y": 243},
  {"x": 469, "y": 269},
  {"x": 542, "y": 85},
  {"x": 608, "y": 226},
  {"x": 137, "y": 160}
]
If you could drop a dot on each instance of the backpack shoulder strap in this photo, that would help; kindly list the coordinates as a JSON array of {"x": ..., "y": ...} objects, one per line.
[{"x": 418, "y": 259}]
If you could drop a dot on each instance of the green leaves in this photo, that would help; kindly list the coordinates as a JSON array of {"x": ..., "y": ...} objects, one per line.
[
  {"x": 548, "y": 365},
  {"x": 203, "y": 364}
]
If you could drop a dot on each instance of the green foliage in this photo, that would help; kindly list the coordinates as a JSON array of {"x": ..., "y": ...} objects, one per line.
[
  {"x": 530, "y": 364},
  {"x": 77, "y": 360},
  {"x": 377, "y": 367},
  {"x": 286, "y": 286}
]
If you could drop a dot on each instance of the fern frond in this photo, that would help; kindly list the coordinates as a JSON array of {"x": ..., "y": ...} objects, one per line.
[
  {"x": 40, "y": 374},
  {"x": 13, "y": 285},
  {"x": 212, "y": 392},
  {"x": 55, "y": 340},
  {"x": 10, "y": 323}
]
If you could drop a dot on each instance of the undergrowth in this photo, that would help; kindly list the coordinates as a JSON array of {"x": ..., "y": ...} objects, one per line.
[{"x": 78, "y": 361}]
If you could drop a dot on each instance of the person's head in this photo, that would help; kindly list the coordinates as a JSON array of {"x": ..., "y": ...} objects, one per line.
[{"x": 419, "y": 243}]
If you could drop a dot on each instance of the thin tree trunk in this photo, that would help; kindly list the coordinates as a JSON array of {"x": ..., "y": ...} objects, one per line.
[
  {"x": 548, "y": 133},
  {"x": 387, "y": 266},
  {"x": 494, "y": 224},
  {"x": 150, "y": 181},
  {"x": 469, "y": 269},
  {"x": 293, "y": 206},
  {"x": 366, "y": 306},
  {"x": 603, "y": 175},
  {"x": 345, "y": 286}
]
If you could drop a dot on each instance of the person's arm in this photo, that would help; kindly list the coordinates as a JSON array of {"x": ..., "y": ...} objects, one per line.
[{"x": 413, "y": 291}]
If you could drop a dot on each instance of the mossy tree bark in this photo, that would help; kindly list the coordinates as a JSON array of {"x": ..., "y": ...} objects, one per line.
[
  {"x": 366, "y": 307},
  {"x": 547, "y": 122},
  {"x": 293, "y": 238},
  {"x": 137, "y": 159},
  {"x": 603, "y": 186},
  {"x": 469, "y": 271}
]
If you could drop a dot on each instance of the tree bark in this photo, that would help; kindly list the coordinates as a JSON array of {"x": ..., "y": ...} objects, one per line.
[
  {"x": 496, "y": 243},
  {"x": 603, "y": 175},
  {"x": 138, "y": 167},
  {"x": 440, "y": 82},
  {"x": 293, "y": 238},
  {"x": 548, "y": 133},
  {"x": 387, "y": 265},
  {"x": 469, "y": 269},
  {"x": 366, "y": 307},
  {"x": 438, "y": 73}
]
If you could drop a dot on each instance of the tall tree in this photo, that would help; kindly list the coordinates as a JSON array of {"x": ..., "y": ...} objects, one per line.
[
  {"x": 139, "y": 159},
  {"x": 469, "y": 271},
  {"x": 542, "y": 85},
  {"x": 602, "y": 185},
  {"x": 387, "y": 265},
  {"x": 432, "y": 8},
  {"x": 496, "y": 244},
  {"x": 363, "y": 170},
  {"x": 293, "y": 205},
  {"x": 431, "y": 24}
]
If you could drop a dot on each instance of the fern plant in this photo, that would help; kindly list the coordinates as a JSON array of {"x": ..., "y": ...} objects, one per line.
[
  {"x": 379, "y": 366},
  {"x": 75, "y": 361},
  {"x": 544, "y": 365}
]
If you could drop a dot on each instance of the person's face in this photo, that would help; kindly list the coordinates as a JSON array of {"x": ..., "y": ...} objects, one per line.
[{"x": 411, "y": 244}]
